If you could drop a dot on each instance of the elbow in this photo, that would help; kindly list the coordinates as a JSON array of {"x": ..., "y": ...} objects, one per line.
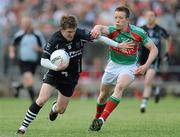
[{"x": 154, "y": 50}]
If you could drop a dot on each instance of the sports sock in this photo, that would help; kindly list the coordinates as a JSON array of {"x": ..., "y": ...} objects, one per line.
[
  {"x": 54, "y": 108},
  {"x": 18, "y": 88},
  {"x": 99, "y": 109},
  {"x": 30, "y": 115},
  {"x": 157, "y": 90},
  {"x": 31, "y": 93},
  {"x": 145, "y": 100},
  {"x": 110, "y": 106}
]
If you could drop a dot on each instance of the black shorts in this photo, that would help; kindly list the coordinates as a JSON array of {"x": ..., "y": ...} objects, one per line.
[
  {"x": 155, "y": 65},
  {"x": 26, "y": 66},
  {"x": 65, "y": 88}
]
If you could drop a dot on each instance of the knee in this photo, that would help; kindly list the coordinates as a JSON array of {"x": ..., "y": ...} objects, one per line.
[
  {"x": 120, "y": 87},
  {"x": 118, "y": 91},
  {"x": 40, "y": 102}
]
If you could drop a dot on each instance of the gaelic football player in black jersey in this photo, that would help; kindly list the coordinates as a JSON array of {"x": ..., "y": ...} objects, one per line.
[
  {"x": 156, "y": 33},
  {"x": 71, "y": 39},
  {"x": 28, "y": 43}
]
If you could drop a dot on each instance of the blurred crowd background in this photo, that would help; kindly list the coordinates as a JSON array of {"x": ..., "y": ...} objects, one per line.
[{"x": 46, "y": 16}]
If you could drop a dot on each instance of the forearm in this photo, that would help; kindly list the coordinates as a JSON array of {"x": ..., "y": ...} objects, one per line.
[
  {"x": 100, "y": 29},
  {"x": 47, "y": 64},
  {"x": 12, "y": 52},
  {"x": 152, "y": 55},
  {"x": 168, "y": 45},
  {"x": 107, "y": 41}
]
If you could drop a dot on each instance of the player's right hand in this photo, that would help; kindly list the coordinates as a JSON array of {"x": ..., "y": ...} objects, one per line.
[{"x": 127, "y": 44}]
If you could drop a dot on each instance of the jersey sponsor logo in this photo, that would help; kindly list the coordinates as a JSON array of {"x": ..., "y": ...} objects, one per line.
[
  {"x": 127, "y": 52},
  {"x": 73, "y": 54}
]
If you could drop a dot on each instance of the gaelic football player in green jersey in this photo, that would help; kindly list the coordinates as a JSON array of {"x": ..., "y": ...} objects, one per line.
[{"x": 121, "y": 69}]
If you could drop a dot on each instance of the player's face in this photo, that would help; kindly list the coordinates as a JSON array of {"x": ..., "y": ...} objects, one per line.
[
  {"x": 26, "y": 24},
  {"x": 150, "y": 16},
  {"x": 68, "y": 33},
  {"x": 120, "y": 20}
]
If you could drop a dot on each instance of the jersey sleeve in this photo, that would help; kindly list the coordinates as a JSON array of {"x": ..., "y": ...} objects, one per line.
[
  {"x": 17, "y": 38},
  {"x": 111, "y": 29},
  {"x": 49, "y": 48},
  {"x": 145, "y": 37},
  {"x": 84, "y": 34}
]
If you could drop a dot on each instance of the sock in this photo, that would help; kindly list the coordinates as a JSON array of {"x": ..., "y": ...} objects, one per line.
[
  {"x": 31, "y": 93},
  {"x": 157, "y": 90},
  {"x": 30, "y": 115},
  {"x": 54, "y": 108},
  {"x": 99, "y": 109},
  {"x": 18, "y": 88},
  {"x": 102, "y": 119},
  {"x": 110, "y": 106},
  {"x": 145, "y": 100}
]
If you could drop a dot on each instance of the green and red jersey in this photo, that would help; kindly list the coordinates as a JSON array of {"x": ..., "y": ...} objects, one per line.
[{"x": 129, "y": 56}]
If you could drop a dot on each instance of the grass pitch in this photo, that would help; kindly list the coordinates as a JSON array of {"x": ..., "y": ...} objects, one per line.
[{"x": 161, "y": 120}]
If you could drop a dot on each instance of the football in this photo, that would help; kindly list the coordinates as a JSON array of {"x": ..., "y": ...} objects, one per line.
[{"x": 60, "y": 57}]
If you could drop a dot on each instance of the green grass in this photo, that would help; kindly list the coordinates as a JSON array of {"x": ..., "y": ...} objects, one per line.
[{"x": 161, "y": 120}]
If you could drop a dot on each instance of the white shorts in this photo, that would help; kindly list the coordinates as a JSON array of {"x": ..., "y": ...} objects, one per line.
[{"x": 114, "y": 70}]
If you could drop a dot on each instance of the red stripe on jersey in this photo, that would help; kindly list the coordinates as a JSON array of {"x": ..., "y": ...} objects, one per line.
[
  {"x": 126, "y": 52},
  {"x": 113, "y": 34},
  {"x": 136, "y": 36}
]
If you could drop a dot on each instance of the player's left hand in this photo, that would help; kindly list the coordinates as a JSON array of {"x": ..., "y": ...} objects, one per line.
[
  {"x": 95, "y": 33},
  {"x": 141, "y": 70},
  {"x": 62, "y": 67}
]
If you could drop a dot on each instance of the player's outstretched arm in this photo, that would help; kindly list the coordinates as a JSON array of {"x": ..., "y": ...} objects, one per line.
[{"x": 99, "y": 30}]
